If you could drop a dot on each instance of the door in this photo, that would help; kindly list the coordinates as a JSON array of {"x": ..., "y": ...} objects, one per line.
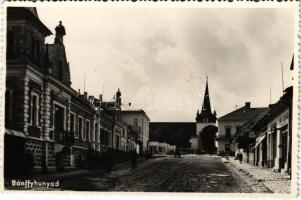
[
  {"x": 58, "y": 122},
  {"x": 264, "y": 152},
  {"x": 284, "y": 149}
]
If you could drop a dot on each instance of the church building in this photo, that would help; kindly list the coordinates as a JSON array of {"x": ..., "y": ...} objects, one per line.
[{"x": 203, "y": 119}]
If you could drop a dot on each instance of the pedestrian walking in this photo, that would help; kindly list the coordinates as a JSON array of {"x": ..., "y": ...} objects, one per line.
[
  {"x": 133, "y": 158},
  {"x": 240, "y": 157}
]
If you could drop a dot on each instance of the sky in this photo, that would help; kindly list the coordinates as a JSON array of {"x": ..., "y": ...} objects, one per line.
[{"x": 159, "y": 57}]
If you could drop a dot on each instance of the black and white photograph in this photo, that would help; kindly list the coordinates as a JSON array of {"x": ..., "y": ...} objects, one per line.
[{"x": 173, "y": 99}]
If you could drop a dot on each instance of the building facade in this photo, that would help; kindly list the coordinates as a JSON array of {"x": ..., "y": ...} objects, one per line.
[
  {"x": 229, "y": 124},
  {"x": 161, "y": 149},
  {"x": 52, "y": 125},
  {"x": 139, "y": 121},
  {"x": 273, "y": 146}
]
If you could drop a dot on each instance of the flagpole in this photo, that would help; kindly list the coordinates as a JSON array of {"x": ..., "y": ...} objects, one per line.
[
  {"x": 85, "y": 82},
  {"x": 270, "y": 95},
  {"x": 282, "y": 77}
]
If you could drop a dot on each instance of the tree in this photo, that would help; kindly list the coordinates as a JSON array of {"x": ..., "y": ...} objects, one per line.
[{"x": 207, "y": 139}]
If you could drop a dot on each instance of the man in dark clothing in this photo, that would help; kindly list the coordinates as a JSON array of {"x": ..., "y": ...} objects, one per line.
[
  {"x": 240, "y": 157},
  {"x": 133, "y": 159}
]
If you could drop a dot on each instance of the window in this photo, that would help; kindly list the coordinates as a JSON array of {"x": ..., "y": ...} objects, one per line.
[
  {"x": 38, "y": 50},
  {"x": 94, "y": 137},
  {"x": 117, "y": 142},
  {"x": 33, "y": 48},
  {"x": 34, "y": 112},
  {"x": 10, "y": 44},
  {"x": 59, "y": 118},
  {"x": 87, "y": 134},
  {"x": 72, "y": 122},
  {"x": 60, "y": 70},
  {"x": 135, "y": 122},
  {"x": 228, "y": 131},
  {"x": 80, "y": 128},
  {"x": 8, "y": 106},
  {"x": 123, "y": 132}
]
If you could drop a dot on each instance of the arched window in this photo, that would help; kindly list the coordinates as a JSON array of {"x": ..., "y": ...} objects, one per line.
[
  {"x": 38, "y": 50},
  {"x": 60, "y": 70},
  {"x": 33, "y": 48},
  {"x": 10, "y": 44}
]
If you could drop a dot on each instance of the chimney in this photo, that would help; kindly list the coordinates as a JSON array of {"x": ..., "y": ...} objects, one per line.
[
  {"x": 91, "y": 97},
  {"x": 248, "y": 104},
  {"x": 85, "y": 94}
]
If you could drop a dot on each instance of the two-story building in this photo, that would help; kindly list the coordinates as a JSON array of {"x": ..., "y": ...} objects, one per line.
[
  {"x": 139, "y": 122},
  {"x": 229, "y": 124}
]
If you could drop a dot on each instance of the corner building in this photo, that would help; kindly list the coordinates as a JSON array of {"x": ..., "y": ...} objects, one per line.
[{"x": 46, "y": 120}]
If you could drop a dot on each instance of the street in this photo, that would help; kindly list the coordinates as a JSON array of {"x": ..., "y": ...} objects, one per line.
[{"x": 167, "y": 174}]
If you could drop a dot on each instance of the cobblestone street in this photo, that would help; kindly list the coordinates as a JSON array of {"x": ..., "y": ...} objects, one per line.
[
  {"x": 186, "y": 174},
  {"x": 262, "y": 179}
]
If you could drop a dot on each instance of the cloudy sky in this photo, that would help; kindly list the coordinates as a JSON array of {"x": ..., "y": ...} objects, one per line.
[{"x": 159, "y": 57}]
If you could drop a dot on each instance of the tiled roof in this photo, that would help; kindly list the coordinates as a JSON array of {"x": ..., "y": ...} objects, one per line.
[
  {"x": 247, "y": 126},
  {"x": 243, "y": 113}
]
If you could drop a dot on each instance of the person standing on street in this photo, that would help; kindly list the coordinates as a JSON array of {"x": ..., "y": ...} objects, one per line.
[{"x": 133, "y": 159}]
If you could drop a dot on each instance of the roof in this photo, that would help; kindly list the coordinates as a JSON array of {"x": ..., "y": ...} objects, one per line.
[
  {"x": 283, "y": 103},
  {"x": 29, "y": 13},
  {"x": 173, "y": 133},
  {"x": 247, "y": 126},
  {"x": 241, "y": 114},
  {"x": 57, "y": 59},
  {"x": 135, "y": 111}
]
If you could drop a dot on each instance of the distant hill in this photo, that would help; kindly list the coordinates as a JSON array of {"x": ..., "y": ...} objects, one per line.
[{"x": 174, "y": 133}]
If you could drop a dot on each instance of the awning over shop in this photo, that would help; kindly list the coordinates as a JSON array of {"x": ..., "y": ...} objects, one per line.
[
  {"x": 15, "y": 133},
  {"x": 259, "y": 141}
]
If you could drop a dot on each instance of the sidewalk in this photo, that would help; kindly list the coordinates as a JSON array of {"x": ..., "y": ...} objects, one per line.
[
  {"x": 276, "y": 182},
  {"x": 53, "y": 176}
]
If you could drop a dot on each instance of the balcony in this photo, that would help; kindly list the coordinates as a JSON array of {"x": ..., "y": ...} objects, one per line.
[{"x": 64, "y": 137}]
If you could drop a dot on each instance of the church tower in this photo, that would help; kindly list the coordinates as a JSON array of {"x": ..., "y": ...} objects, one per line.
[{"x": 205, "y": 117}]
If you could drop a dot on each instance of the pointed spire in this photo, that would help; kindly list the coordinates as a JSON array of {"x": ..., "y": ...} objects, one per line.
[
  {"x": 206, "y": 102},
  {"x": 206, "y": 115}
]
